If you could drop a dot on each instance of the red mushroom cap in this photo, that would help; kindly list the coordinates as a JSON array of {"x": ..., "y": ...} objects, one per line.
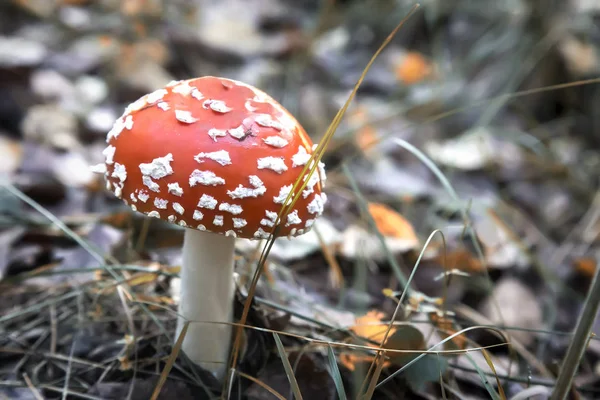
[{"x": 213, "y": 154}]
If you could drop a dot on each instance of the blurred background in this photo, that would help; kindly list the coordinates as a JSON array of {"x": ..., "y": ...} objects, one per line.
[{"x": 479, "y": 121}]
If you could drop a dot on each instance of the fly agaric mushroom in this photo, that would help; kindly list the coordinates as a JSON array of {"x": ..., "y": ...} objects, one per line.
[{"x": 219, "y": 158}]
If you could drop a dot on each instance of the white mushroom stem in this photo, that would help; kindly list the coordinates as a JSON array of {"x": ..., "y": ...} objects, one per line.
[{"x": 207, "y": 290}]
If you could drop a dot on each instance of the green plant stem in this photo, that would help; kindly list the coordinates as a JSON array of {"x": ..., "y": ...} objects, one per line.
[{"x": 579, "y": 342}]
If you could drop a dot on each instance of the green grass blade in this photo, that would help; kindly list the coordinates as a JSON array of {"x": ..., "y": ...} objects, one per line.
[
  {"x": 433, "y": 349},
  {"x": 576, "y": 350},
  {"x": 484, "y": 379},
  {"x": 335, "y": 374},
  {"x": 288, "y": 367}
]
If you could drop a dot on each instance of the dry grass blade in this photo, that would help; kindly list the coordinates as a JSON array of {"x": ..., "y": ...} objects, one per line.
[
  {"x": 441, "y": 343},
  {"x": 39, "y": 306},
  {"x": 532, "y": 392},
  {"x": 490, "y": 363},
  {"x": 336, "y": 275},
  {"x": 300, "y": 184},
  {"x": 92, "y": 250},
  {"x": 450, "y": 190},
  {"x": 34, "y": 391},
  {"x": 442, "y": 384},
  {"x": 362, "y": 202},
  {"x": 379, "y": 363},
  {"x": 170, "y": 361},
  {"x": 262, "y": 385},
  {"x": 68, "y": 372},
  {"x": 481, "y": 103},
  {"x": 289, "y": 371},
  {"x": 474, "y": 316},
  {"x": 581, "y": 337},
  {"x": 315, "y": 158},
  {"x": 406, "y": 291},
  {"x": 484, "y": 380}
]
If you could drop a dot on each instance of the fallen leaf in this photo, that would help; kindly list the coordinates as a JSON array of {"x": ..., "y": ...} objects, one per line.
[
  {"x": 11, "y": 154},
  {"x": 398, "y": 234},
  {"x": 502, "y": 247},
  {"x": 366, "y": 137},
  {"x": 427, "y": 369},
  {"x": 470, "y": 151},
  {"x": 580, "y": 58},
  {"x": 387, "y": 176},
  {"x": 314, "y": 381},
  {"x": 369, "y": 326},
  {"x": 400, "y": 337},
  {"x": 390, "y": 223},
  {"x": 446, "y": 328},
  {"x": 517, "y": 306},
  {"x": 460, "y": 259},
  {"x": 357, "y": 242},
  {"x": 301, "y": 246},
  {"x": 405, "y": 337},
  {"x": 585, "y": 266},
  {"x": 413, "y": 68}
]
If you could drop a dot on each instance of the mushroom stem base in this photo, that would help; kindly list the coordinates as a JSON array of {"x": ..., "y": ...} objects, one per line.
[{"x": 207, "y": 290}]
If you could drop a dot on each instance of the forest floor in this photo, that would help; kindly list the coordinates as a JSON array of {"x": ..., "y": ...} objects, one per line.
[{"x": 463, "y": 221}]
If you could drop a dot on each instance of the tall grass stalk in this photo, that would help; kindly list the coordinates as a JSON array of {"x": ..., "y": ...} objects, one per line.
[{"x": 580, "y": 341}]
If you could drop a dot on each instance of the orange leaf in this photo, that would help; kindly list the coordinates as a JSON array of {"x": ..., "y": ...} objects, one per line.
[
  {"x": 366, "y": 137},
  {"x": 106, "y": 40},
  {"x": 413, "y": 68},
  {"x": 370, "y": 327},
  {"x": 585, "y": 266},
  {"x": 349, "y": 360},
  {"x": 390, "y": 223},
  {"x": 460, "y": 259}
]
